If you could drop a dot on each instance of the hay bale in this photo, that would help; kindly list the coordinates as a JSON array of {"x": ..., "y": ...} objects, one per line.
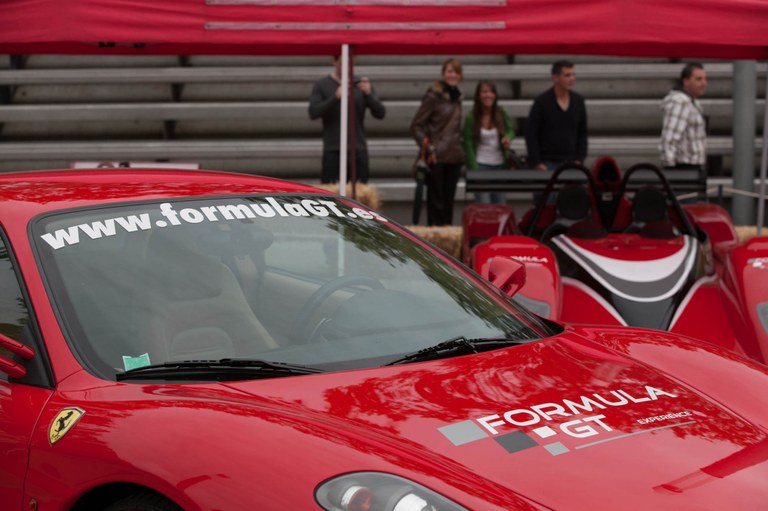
[
  {"x": 366, "y": 194},
  {"x": 447, "y": 237},
  {"x": 746, "y": 232}
]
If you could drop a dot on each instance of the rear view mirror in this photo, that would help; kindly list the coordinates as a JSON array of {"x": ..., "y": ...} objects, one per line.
[
  {"x": 8, "y": 366},
  {"x": 505, "y": 273}
]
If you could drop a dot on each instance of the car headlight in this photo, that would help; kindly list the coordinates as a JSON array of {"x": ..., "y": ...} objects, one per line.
[{"x": 373, "y": 491}]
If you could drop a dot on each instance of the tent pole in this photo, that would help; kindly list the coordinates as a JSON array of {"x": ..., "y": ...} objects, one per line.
[
  {"x": 344, "y": 120},
  {"x": 352, "y": 126},
  {"x": 763, "y": 165},
  {"x": 744, "y": 130}
]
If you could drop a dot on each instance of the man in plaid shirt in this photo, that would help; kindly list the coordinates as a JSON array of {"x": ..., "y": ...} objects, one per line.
[{"x": 683, "y": 135}]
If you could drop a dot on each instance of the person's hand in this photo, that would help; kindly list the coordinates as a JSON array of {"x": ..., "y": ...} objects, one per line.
[
  {"x": 365, "y": 86},
  {"x": 540, "y": 166},
  {"x": 431, "y": 154},
  {"x": 506, "y": 143},
  {"x": 338, "y": 92}
]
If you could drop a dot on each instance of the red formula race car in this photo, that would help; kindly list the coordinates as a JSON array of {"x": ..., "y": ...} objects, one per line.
[
  {"x": 624, "y": 251},
  {"x": 208, "y": 341}
]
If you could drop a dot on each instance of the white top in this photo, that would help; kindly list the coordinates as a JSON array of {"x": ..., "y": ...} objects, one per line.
[{"x": 489, "y": 148}]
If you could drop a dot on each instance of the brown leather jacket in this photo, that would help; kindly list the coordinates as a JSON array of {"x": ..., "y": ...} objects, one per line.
[{"x": 439, "y": 119}]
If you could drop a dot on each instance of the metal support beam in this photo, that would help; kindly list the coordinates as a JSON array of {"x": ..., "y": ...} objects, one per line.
[
  {"x": 763, "y": 167},
  {"x": 744, "y": 130}
]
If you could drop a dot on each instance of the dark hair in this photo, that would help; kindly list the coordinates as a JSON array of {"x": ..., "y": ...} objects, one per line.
[
  {"x": 558, "y": 65},
  {"x": 477, "y": 111},
  {"x": 687, "y": 71}
]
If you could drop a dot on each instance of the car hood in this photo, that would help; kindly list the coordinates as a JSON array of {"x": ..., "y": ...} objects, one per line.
[{"x": 560, "y": 421}]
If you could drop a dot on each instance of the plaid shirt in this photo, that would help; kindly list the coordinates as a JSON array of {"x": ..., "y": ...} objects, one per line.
[{"x": 683, "y": 134}]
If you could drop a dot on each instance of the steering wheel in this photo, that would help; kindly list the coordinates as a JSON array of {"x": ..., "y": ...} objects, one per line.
[{"x": 301, "y": 329}]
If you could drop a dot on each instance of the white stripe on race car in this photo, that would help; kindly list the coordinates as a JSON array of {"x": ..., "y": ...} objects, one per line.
[
  {"x": 630, "y": 271},
  {"x": 568, "y": 281},
  {"x": 623, "y": 270},
  {"x": 688, "y": 297}
]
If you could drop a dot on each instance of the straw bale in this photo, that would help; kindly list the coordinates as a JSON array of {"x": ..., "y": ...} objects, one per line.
[
  {"x": 366, "y": 194},
  {"x": 447, "y": 237},
  {"x": 746, "y": 232}
]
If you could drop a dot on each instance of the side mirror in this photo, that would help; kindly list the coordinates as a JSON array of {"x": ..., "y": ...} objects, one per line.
[
  {"x": 8, "y": 366},
  {"x": 505, "y": 273}
]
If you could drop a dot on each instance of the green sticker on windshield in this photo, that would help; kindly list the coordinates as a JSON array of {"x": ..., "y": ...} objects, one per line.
[{"x": 136, "y": 362}]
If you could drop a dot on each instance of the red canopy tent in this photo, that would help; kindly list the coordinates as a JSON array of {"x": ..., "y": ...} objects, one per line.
[
  {"x": 731, "y": 29},
  {"x": 724, "y": 29}
]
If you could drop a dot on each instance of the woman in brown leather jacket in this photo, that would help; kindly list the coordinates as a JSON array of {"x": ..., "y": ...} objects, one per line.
[{"x": 438, "y": 120}]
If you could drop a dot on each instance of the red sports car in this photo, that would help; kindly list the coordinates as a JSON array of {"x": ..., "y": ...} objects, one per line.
[{"x": 207, "y": 341}]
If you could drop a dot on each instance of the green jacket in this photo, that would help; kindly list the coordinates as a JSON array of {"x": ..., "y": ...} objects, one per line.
[{"x": 470, "y": 147}]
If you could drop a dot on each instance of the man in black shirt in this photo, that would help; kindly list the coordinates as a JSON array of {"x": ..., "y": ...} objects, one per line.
[
  {"x": 325, "y": 104},
  {"x": 556, "y": 131}
]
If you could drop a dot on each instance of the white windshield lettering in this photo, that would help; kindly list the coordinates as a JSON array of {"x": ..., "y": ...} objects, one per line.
[
  {"x": 236, "y": 211},
  {"x": 169, "y": 216},
  {"x": 263, "y": 210},
  {"x": 277, "y": 206},
  {"x": 62, "y": 237},
  {"x": 133, "y": 223},
  {"x": 210, "y": 213},
  {"x": 96, "y": 230}
]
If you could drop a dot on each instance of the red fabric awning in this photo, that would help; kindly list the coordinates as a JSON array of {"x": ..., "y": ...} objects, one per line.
[{"x": 727, "y": 29}]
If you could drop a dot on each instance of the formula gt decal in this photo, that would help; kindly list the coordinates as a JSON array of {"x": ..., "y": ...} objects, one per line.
[
  {"x": 63, "y": 422},
  {"x": 566, "y": 425},
  {"x": 169, "y": 215}
]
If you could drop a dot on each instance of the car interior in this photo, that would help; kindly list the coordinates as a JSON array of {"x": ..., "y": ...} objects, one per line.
[{"x": 589, "y": 205}]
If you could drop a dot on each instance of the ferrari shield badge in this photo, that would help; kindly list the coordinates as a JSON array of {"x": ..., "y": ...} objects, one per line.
[{"x": 63, "y": 422}]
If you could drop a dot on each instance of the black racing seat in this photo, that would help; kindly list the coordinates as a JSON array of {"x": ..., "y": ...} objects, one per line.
[
  {"x": 573, "y": 216},
  {"x": 650, "y": 215},
  {"x": 573, "y": 204}
]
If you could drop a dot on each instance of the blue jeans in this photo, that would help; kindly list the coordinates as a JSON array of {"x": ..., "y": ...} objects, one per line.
[{"x": 491, "y": 197}]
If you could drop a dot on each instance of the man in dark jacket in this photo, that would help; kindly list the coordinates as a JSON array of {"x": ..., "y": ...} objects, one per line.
[
  {"x": 325, "y": 103},
  {"x": 556, "y": 131}
]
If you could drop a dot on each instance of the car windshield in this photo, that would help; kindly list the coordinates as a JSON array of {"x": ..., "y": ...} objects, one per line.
[{"x": 295, "y": 279}]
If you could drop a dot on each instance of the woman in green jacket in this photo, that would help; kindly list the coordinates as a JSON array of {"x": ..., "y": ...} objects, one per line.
[{"x": 488, "y": 137}]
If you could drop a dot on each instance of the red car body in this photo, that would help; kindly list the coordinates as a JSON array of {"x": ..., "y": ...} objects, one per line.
[
  {"x": 573, "y": 418},
  {"x": 604, "y": 269}
]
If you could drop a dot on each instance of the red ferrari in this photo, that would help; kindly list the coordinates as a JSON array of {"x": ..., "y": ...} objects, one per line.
[{"x": 207, "y": 341}]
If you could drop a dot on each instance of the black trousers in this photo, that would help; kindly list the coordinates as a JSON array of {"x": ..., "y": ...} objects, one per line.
[
  {"x": 441, "y": 193},
  {"x": 330, "y": 169}
]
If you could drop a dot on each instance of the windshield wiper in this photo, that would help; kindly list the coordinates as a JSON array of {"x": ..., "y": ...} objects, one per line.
[
  {"x": 226, "y": 369},
  {"x": 456, "y": 346}
]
